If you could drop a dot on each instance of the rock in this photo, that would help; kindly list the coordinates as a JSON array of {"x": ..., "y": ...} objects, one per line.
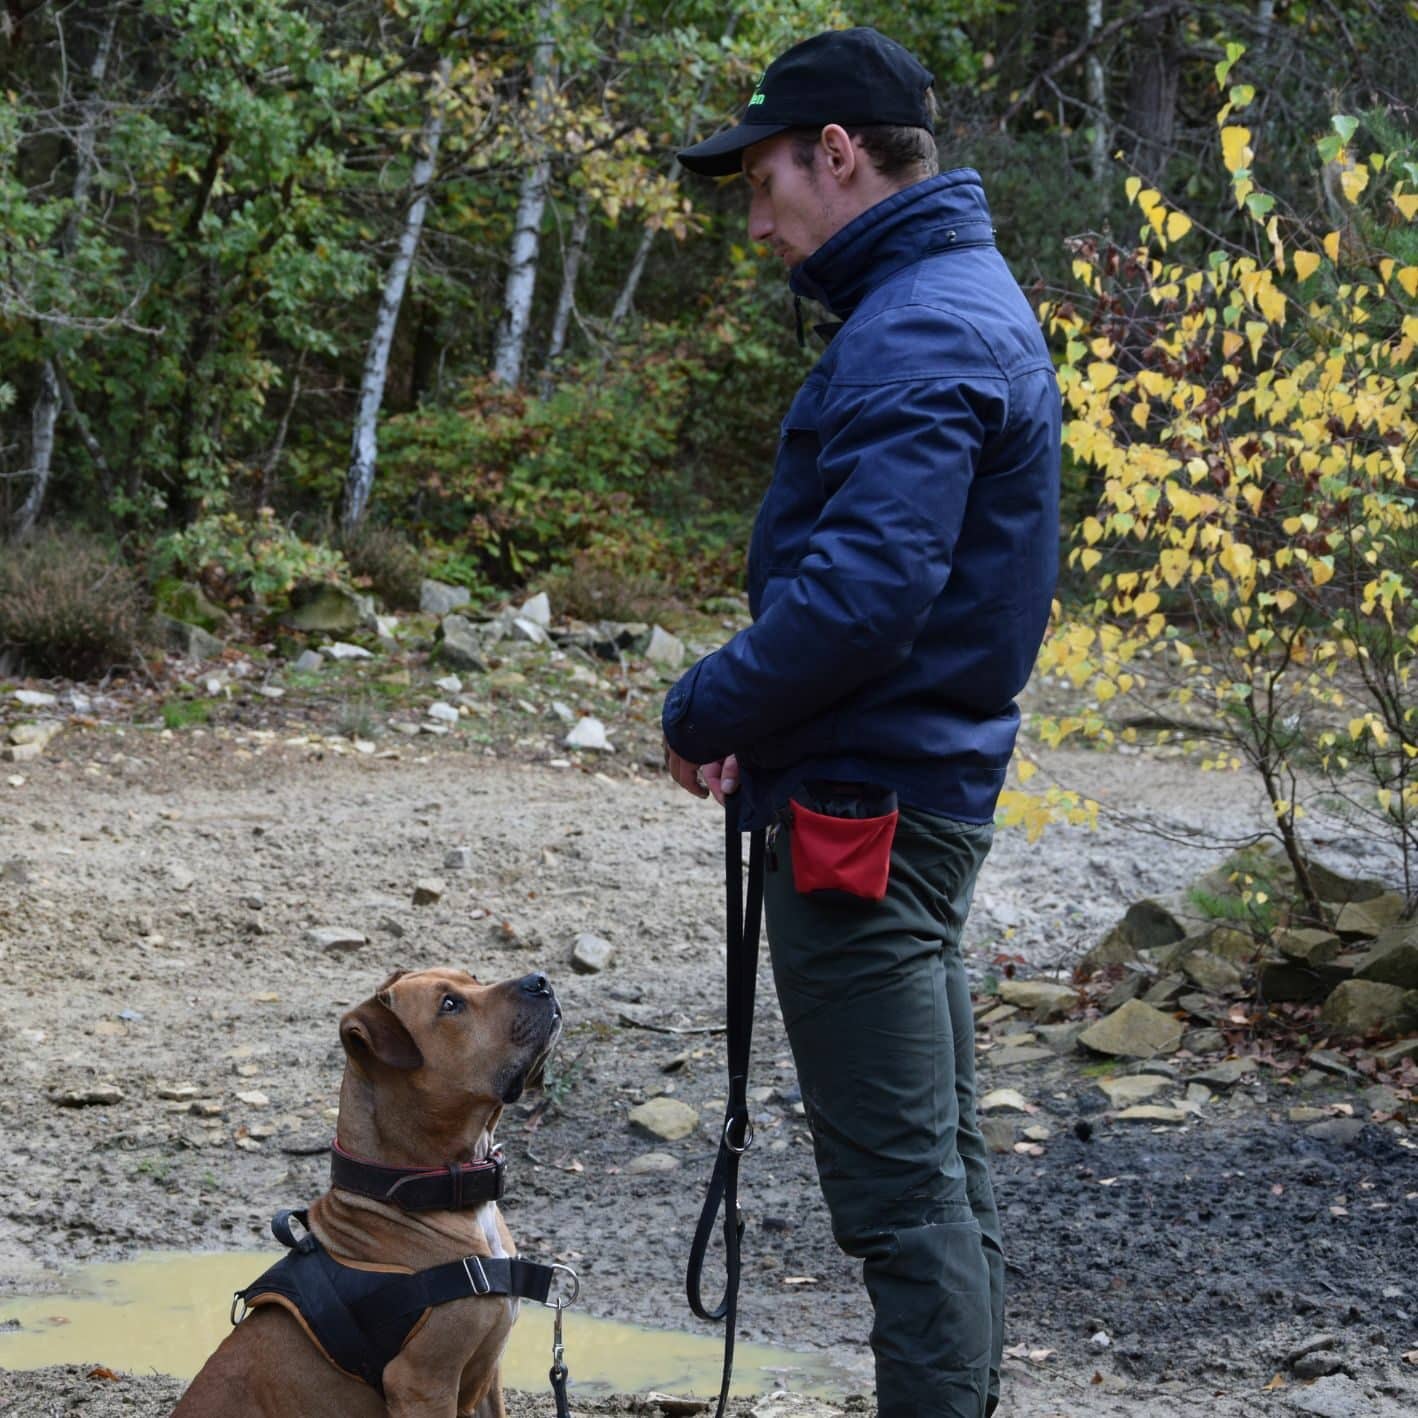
[
  {"x": 1201, "y": 1006},
  {"x": 1283, "y": 982},
  {"x": 1165, "y": 990},
  {"x": 444, "y": 713},
  {"x": 1133, "y": 1088},
  {"x": 591, "y": 954},
  {"x": 343, "y": 650},
  {"x": 1391, "y": 1055},
  {"x": 1226, "y": 1074},
  {"x": 1327, "y": 1061},
  {"x": 1393, "y": 959},
  {"x": 20, "y": 752},
  {"x": 308, "y": 662},
  {"x": 329, "y": 607},
  {"x": 1134, "y": 1031},
  {"x": 458, "y": 858},
  {"x": 665, "y": 649},
  {"x": 521, "y": 628},
  {"x": 1007, "y": 1099},
  {"x": 1334, "y": 886},
  {"x": 1231, "y": 943},
  {"x": 438, "y": 598},
  {"x": 1379, "y": 1098},
  {"x": 564, "y": 712},
  {"x": 186, "y": 601},
  {"x": 187, "y": 642},
  {"x": 428, "y": 890},
  {"x": 665, "y": 1118},
  {"x": 1114, "y": 949},
  {"x": 460, "y": 644},
  {"x": 1306, "y": 1115},
  {"x": 589, "y": 733},
  {"x": 1335, "y": 1396},
  {"x": 1129, "y": 987},
  {"x": 1004, "y": 1058},
  {"x": 100, "y": 1095},
  {"x": 1046, "y": 998},
  {"x": 537, "y": 610},
  {"x": 1343, "y": 1131},
  {"x": 36, "y": 698},
  {"x": 1203, "y": 1041},
  {"x": 1062, "y": 1038},
  {"x": 254, "y": 901},
  {"x": 335, "y": 938},
  {"x": 610, "y": 639},
  {"x": 1360, "y": 1009},
  {"x": 1306, "y": 946},
  {"x": 179, "y": 1092},
  {"x": 998, "y": 1134},
  {"x": 651, "y": 1162},
  {"x": 1161, "y": 921},
  {"x": 1211, "y": 973},
  {"x": 38, "y": 734},
  {"x": 254, "y": 1099},
  {"x": 1368, "y": 918},
  {"x": 1152, "y": 1113}
]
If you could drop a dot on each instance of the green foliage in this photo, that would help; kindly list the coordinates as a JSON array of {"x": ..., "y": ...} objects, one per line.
[
  {"x": 183, "y": 713},
  {"x": 260, "y": 559},
  {"x": 68, "y": 605}
]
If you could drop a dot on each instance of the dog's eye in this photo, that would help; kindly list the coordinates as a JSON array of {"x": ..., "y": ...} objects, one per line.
[{"x": 451, "y": 1005}]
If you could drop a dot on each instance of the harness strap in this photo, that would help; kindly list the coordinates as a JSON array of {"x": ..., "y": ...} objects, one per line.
[{"x": 741, "y": 939}]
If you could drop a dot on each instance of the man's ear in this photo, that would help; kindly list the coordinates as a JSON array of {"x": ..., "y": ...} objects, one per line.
[
  {"x": 840, "y": 154},
  {"x": 373, "y": 1032}
]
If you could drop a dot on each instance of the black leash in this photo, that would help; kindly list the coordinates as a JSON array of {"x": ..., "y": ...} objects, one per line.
[{"x": 741, "y": 939}]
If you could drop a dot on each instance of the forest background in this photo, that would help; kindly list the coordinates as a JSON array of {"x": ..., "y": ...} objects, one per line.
[{"x": 374, "y": 291}]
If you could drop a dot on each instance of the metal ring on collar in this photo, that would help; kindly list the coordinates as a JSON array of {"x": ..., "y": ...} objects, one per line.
[
  {"x": 560, "y": 1302},
  {"x": 747, "y": 1136}
]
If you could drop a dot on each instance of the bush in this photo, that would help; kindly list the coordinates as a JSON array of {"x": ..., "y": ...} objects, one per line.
[
  {"x": 255, "y": 560},
  {"x": 387, "y": 562},
  {"x": 69, "y": 606}
]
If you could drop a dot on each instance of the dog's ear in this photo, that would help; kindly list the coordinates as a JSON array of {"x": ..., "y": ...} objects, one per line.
[{"x": 373, "y": 1031}]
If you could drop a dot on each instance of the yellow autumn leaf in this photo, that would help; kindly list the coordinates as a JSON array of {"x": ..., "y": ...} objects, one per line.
[
  {"x": 1178, "y": 225},
  {"x": 1407, "y": 203},
  {"x": 1132, "y": 187},
  {"x": 1235, "y": 147},
  {"x": 1284, "y": 600},
  {"x": 1026, "y": 770},
  {"x": 1331, "y": 247},
  {"x": 1092, "y": 530},
  {"x": 1322, "y": 569},
  {"x": 1354, "y": 180},
  {"x": 1089, "y": 557},
  {"x": 1101, "y": 374},
  {"x": 1408, "y": 279},
  {"x": 1306, "y": 264},
  {"x": 1146, "y": 603},
  {"x": 1231, "y": 344},
  {"x": 1239, "y": 560}
]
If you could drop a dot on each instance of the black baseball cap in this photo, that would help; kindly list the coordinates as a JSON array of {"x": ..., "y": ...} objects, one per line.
[{"x": 854, "y": 77}]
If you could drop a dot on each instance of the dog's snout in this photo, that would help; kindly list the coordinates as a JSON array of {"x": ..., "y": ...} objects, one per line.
[{"x": 537, "y": 984}]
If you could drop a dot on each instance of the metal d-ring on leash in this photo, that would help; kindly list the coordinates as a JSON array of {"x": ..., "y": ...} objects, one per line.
[
  {"x": 559, "y": 1372},
  {"x": 741, "y": 940}
]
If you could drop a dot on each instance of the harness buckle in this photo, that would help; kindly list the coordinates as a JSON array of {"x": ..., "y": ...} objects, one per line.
[
  {"x": 239, "y": 1298},
  {"x": 470, "y": 1264}
]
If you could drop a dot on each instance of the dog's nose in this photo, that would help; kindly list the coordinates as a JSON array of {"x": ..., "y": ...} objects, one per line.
[{"x": 535, "y": 984}]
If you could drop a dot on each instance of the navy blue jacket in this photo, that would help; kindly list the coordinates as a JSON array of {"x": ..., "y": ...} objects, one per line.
[{"x": 903, "y": 562}]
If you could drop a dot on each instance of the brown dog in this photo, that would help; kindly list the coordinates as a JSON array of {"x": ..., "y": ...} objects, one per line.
[{"x": 431, "y": 1059}]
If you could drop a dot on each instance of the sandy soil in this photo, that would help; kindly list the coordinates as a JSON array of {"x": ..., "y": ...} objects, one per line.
[{"x": 155, "y": 894}]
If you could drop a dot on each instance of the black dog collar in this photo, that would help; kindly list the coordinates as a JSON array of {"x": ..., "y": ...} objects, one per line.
[{"x": 450, "y": 1188}]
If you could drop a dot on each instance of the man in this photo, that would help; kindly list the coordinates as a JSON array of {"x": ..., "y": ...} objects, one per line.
[{"x": 900, "y": 576}]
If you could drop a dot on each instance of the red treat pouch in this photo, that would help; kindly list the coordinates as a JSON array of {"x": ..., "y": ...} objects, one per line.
[{"x": 841, "y": 839}]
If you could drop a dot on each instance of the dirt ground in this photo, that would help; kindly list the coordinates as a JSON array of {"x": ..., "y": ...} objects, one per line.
[{"x": 155, "y": 897}]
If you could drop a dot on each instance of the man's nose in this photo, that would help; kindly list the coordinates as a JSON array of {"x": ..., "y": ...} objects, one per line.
[{"x": 760, "y": 222}]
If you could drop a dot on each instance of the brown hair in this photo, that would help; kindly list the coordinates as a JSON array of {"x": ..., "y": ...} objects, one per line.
[{"x": 897, "y": 152}]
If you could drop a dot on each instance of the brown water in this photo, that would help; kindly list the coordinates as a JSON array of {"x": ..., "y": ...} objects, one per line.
[{"x": 167, "y": 1311}]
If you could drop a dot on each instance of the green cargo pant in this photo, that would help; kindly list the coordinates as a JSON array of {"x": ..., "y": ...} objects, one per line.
[{"x": 877, "y": 1009}]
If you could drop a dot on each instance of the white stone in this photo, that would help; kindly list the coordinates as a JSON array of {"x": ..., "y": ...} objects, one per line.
[
  {"x": 564, "y": 712},
  {"x": 444, "y": 713},
  {"x": 665, "y": 649},
  {"x": 591, "y": 954},
  {"x": 35, "y": 698},
  {"x": 651, "y": 1162},
  {"x": 537, "y": 610},
  {"x": 336, "y": 938},
  {"x": 449, "y": 684},
  {"x": 589, "y": 733},
  {"x": 343, "y": 650},
  {"x": 524, "y": 629},
  {"x": 1007, "y": 1098}
]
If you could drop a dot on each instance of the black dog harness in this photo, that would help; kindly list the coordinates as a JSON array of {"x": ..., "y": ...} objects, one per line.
[{"x": 360, "y": 1319}]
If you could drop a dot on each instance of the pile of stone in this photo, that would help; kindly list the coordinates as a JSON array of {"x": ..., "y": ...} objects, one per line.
[{"x": 1171, "y": 958}]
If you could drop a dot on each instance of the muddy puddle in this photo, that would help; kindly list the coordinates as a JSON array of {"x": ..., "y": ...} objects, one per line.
[{"x": 165, "y": 1312}]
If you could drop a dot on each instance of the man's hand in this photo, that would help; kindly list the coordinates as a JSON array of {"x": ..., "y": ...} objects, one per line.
[{"x": 718, "y": 778}]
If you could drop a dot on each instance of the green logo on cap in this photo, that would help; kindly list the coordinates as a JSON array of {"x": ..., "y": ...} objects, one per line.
[{"x": 758, "y": 98}]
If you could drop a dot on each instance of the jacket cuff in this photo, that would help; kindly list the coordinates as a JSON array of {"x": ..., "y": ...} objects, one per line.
[{"x": 676, "y": 720}]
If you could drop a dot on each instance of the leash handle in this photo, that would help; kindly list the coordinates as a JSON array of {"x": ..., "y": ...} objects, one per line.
[{"x": 743, "y": 921}]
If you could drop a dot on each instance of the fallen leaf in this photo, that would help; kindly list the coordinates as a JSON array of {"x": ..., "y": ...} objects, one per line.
[
  {"x": 106, "y": 1374},
  {"x": 1107, "y": 1181},
  {"x": 1277, "y": 1382},
  {"x": 1097, "y": 1377},
  {"x": 56, "y": 1319},
  {"x": 1040, "y": 1356}
]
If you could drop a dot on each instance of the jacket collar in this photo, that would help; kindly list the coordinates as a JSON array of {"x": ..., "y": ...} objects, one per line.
[{"x": 934, "y": 215}]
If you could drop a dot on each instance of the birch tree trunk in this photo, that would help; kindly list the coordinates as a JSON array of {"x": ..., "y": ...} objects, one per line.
[
  {"x": 626, "y": 298},
  {"x": 531, "y": 203},
  {"x": 364, "y": 445},
  {"x": 1097, "y": 101},
  {"x": 566, "y": 302},
  {"x": 45, "y": 415}
]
